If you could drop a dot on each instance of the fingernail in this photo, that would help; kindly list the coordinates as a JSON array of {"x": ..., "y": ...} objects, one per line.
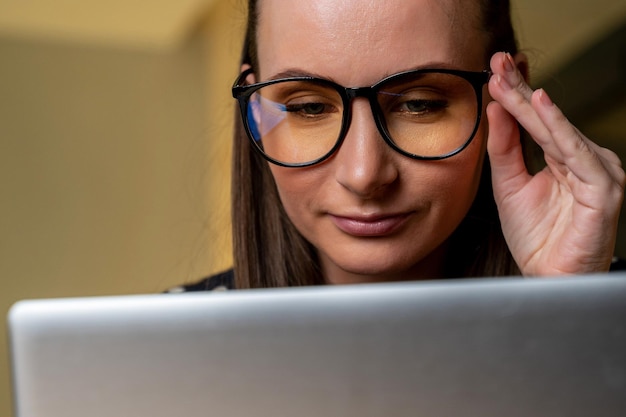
[
  {"x": 544, "y": 98},
  {"x": 509, "y": 64},
  {"x": 504, "y": 84}
]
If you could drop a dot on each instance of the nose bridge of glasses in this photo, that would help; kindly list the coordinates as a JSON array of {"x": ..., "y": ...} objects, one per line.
[
  {"x": 367, "y": 93},
  {"x": 354, "y": 92}
]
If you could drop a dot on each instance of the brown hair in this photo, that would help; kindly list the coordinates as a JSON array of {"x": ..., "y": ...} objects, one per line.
[{"x": 270, "y": 252}]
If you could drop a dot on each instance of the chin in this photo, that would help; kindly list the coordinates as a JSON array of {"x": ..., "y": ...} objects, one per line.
[
  {"x": 382, "y": 263},
  {"x": 367, "y": 269}
]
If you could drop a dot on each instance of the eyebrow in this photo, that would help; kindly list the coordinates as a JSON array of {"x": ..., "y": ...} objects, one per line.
[{"x": 298, "y": 72}]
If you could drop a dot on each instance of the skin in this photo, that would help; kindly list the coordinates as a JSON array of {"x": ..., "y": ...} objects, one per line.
[
  {"x": 375, "y": 215},
  {"x": 564, "y": 219}
]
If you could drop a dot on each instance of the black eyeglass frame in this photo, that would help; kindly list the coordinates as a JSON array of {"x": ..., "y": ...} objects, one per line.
[{"x": 243, "y": 92}]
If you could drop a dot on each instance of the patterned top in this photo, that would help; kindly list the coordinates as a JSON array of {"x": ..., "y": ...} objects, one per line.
[
  {"x": 226, "y": 280},
  {"x": 218, "y": 282}
]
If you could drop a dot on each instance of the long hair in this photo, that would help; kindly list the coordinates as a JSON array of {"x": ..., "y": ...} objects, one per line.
[{"x": 270, "y": 252}]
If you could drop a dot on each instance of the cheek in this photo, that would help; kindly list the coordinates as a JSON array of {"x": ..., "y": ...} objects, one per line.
[
  {"x": 473, "y": 158},
  {"x": 298, "y": 189},
  {"x": 458, "y": 178}
]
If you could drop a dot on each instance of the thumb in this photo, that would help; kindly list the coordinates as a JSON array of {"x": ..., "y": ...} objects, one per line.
[{"x": 508, "y": 169}]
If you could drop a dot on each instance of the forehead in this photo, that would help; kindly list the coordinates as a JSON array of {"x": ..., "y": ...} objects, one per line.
[{"x": 357, "y": 42}]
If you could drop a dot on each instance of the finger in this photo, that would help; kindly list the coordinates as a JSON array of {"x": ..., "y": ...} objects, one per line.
[
  {"x": 508, "y": 169},
  {"x": 504, "y": 65},
  {"x": 612, "y": 163},
  {"x": 607, "y": 155},
  {"x": 509, "y": 88},
  {"x": 514, "y": 101},
  {"x": 586, "y": 160}
]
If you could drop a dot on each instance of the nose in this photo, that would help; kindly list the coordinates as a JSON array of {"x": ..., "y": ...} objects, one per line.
[{"x": 366, "y": 165}]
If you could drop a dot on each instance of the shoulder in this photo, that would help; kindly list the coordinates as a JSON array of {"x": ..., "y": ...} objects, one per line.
[{"x": 218, "y": 282}]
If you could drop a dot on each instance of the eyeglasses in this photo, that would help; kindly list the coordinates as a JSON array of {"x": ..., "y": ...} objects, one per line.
[{"x": 427, "y": 114}]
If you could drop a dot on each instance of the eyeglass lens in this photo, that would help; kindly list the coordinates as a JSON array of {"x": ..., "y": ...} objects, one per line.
[{"x": 423, "y": 114}]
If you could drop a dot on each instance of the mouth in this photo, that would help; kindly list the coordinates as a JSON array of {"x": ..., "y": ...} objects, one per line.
[{"x": 369, "y": 226}]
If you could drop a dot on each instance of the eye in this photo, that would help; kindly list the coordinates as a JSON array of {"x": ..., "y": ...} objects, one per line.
[
  {"x": 422, "y": 106},
  {"x": 415, "y": 103},
  {"x": 308, "y": 109},
  {"x": 315, "y": 107}
]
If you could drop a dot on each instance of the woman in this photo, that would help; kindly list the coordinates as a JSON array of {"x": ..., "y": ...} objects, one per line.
[{"x": 397, "y": 182}]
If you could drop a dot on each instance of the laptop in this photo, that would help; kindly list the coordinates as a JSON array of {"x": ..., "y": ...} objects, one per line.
[{"x": 481, "y": 347}]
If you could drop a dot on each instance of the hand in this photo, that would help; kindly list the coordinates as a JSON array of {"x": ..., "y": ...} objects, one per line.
[{"x": 563, "y": 220}]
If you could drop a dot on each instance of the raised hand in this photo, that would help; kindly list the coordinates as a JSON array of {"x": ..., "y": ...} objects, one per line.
[{"x": 562, "y": 220}]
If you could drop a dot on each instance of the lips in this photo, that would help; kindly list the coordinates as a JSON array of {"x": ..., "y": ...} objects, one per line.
[{"x": 370, "y": 226}]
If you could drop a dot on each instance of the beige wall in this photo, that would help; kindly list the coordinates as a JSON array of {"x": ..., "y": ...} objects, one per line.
[{"x": 108, "y": 157}]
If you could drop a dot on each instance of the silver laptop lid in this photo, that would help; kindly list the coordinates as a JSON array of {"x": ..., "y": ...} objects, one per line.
[{"x": 506, "y": 347}]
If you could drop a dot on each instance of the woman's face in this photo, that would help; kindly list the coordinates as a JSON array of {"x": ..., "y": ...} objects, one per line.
[{"x": 373, "y": 214}]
